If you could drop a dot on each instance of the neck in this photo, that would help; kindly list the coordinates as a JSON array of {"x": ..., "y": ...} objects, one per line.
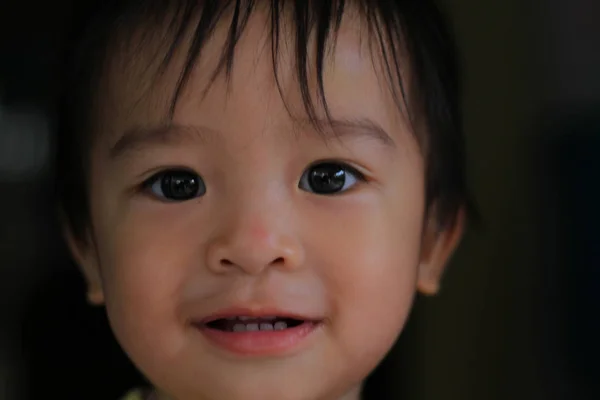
[{"x": 353, "y": 394}]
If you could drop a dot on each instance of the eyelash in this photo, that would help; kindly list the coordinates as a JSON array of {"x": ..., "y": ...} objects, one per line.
[
  {"x": 306, "y": 179},
  {"x": 146, "y": 185},
  {"x": 358, "y": 176}
]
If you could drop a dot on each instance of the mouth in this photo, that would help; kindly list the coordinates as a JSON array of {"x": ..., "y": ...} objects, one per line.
[
  {"x": 254, "y": 324},
  {"x": 268, "y": 335}
]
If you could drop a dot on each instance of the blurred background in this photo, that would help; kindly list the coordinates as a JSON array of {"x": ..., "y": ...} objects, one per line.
[{"x": 518, "y": 313}]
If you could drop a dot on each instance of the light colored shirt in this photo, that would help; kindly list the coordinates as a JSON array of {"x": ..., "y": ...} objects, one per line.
[{"x": 136, "y": 395}]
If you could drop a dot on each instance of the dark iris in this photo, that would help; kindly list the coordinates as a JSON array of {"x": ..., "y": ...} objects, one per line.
[
  {"x": 326, "y": 178},
  {"x": 178, "y": 185}
]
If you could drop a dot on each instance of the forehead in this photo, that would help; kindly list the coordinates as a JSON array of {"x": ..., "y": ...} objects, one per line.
[{"x": 139, "y": 87}]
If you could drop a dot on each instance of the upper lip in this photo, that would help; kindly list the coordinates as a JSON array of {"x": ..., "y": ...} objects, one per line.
[{"x": 258, "y": 313}]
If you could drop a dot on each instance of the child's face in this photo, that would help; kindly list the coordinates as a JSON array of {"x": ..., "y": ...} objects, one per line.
[{"x": 273, "y": 218}]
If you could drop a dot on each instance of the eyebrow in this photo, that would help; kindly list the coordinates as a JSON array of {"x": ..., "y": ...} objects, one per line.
[
  {"x": 171, "y": 133},
  {"x": 138, "y": 138}
]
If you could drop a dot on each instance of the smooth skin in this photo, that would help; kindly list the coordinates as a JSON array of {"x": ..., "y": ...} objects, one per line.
[{"x": 256, "y": 234}]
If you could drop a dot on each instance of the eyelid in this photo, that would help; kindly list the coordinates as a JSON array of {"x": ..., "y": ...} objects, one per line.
[
  {"x": 148, "y": 175},
  {"x": 359, "y": 171},
  {"x": 358, "y": 176},
  {"x": 149, "y": 178}
]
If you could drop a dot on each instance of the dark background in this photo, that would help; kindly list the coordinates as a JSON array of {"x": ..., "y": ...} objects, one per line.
[{"x": 517, "y": 317}]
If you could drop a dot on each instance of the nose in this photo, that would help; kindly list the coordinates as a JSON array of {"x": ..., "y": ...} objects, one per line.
[{"x": 251, "y": 247}]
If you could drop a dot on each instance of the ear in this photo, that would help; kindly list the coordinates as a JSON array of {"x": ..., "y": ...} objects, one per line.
[
  {"x": 85, "y": 256},
  {"x": 437, "y": 248}
]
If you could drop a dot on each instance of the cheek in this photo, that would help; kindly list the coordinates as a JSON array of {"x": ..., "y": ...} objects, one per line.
[
  {"x": 371, "y": 261},
  {"x": 145, "y": 261}
]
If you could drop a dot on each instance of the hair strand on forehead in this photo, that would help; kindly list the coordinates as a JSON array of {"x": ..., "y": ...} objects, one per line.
[{"x": 408, "y": 35}]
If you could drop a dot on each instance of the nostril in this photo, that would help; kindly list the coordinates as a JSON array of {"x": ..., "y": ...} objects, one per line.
[{"x": 278, "y": 260}]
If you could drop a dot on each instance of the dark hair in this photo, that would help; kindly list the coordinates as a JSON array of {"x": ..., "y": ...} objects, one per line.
[{"x": 404, "y": 30}]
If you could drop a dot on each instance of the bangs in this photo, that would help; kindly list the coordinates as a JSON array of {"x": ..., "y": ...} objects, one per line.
[
  {"x": 409, "y": 39},
  {"x": 307, "y": 29}
]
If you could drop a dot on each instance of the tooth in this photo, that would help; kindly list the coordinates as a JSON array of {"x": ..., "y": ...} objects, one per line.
[
  {"x": 239, "y": 328},
  {"x": 266, "y": 326},
  {"x": 252, "y": 327},
  {"x": 244, "y": 318},
  {"x": 280, "y": 325}
]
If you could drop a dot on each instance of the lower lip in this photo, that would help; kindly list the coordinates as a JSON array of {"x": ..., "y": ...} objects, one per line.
[{"x": 260, "y": 343}]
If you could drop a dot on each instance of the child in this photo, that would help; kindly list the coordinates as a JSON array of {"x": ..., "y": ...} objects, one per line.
[{"x": 255, "y": 190}]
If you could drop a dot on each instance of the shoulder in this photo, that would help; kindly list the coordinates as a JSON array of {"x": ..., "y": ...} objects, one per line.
[{"x": 137, "y": 394}]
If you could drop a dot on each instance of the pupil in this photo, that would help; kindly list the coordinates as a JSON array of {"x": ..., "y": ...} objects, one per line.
[
  {"x": 181, "y": 186},
  {"x": 327, "y": 178}
]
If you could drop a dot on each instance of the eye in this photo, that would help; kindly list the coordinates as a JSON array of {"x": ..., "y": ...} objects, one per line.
[
  {"x": 176, "y": 185},
  {"x": 329, "y": 178}
]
